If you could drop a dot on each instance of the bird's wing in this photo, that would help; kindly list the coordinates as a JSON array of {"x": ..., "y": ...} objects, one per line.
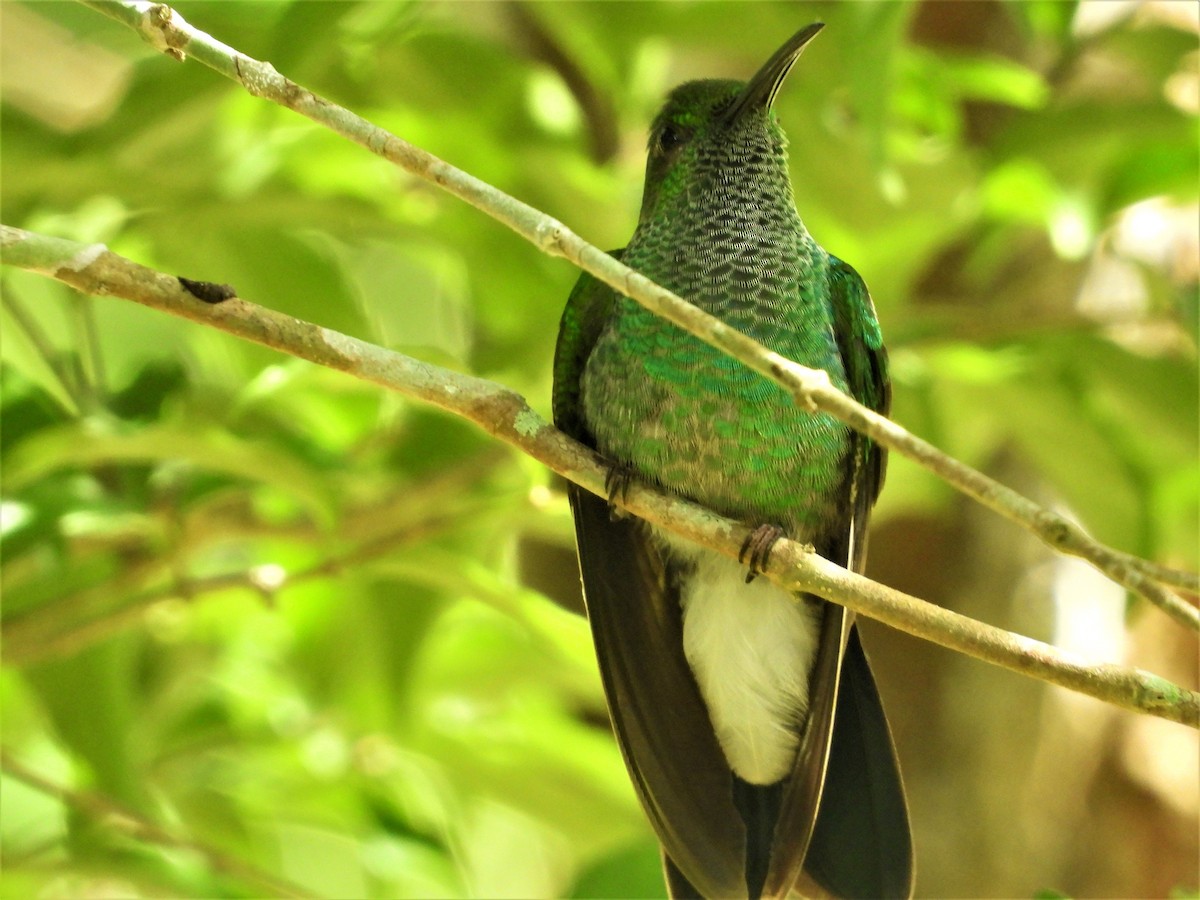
[
  {"x": 861, "y": 845},
  {"x": 660, "y": 720},
  {"x": 632, "y": 599},
  {"x": 588, "y": 308},
  {"x": 860, "y": 342}
]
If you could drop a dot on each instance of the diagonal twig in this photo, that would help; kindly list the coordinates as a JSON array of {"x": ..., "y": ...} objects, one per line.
[
  {"x": 166, "y": 30},
  {"x": 597, "y": 109},
  {"x": 506, "y": 415},
  {"x": 126, "y": 821}
]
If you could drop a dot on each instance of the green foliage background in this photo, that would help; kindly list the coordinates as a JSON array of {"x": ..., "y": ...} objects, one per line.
[{"x": 327, "y": 631}]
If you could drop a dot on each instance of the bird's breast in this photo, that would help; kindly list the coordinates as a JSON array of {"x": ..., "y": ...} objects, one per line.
[{"x": 705, "y": 426}]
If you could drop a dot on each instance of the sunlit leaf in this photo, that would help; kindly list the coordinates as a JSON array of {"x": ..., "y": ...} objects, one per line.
[
  {"x": 300, "y": 620},
  {"x": 82, "y": 446}
]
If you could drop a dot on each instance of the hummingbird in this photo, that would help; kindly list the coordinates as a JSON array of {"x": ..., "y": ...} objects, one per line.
[{"x": 748, "y": 717}]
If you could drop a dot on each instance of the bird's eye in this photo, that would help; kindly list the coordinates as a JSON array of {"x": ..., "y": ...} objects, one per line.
[{"x": 670, "y": 138}]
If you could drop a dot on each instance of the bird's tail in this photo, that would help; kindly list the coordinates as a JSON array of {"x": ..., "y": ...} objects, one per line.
[{"x": 758, "y": 805}]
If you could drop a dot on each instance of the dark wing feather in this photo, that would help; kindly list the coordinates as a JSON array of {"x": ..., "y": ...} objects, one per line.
[
  {"x": 862, "y": 845},
  {"x": 863, "y": 805},
  {"x": 799, "y": 811},
  {"x": 660, "y": 720}
]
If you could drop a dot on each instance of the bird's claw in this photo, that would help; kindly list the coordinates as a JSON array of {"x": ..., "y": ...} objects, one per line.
[
  {"x": 616, "y": 484},
  {"x": 756, "y": 549}
]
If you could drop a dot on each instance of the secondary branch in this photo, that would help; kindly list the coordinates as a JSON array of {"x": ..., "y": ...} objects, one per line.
[
  {"x": 166, "y": 30},
  {"x": 94, "y": 269},
  {"x": 119, "y": 818}
]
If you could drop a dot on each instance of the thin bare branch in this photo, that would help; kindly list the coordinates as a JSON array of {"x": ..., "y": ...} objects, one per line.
[
  {"x": 597, "y": 108},
  {"x": 71, "y": 393},
  {"x": 78, "y": 620},
  {"x": 121, "y": 819},
  {"x": 166, "y": 30},
  {"x": 506, "y": 415}
]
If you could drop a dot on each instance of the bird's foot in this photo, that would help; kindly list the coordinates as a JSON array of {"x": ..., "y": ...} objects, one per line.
[
  {"x": 616, "y": 484},
  {"x": 756, "y": 549}
]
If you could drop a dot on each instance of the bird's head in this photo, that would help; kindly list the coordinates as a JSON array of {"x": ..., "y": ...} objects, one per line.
[{"x": 713, "y": 132}]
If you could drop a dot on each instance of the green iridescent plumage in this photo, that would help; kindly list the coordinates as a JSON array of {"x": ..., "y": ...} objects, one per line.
[
  {"x": 723, "y": 232},
  {"x": 725, "y": 695}
]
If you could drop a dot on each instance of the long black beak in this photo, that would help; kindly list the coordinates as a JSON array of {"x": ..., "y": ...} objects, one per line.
[{"x": 759, "y": 92}]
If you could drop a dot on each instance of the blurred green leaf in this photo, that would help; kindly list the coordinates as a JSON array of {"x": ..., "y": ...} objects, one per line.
[
  {"x": 994, "y": 79},
  {"x": 85, "y": 446},
  {"x": 292, "y": 617}
]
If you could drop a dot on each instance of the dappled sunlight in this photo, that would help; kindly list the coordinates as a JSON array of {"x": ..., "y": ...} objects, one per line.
[{"x": 270, "y": 629}]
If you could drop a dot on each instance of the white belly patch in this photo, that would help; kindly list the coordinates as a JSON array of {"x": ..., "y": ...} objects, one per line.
[{"x": 751, "y": 648}]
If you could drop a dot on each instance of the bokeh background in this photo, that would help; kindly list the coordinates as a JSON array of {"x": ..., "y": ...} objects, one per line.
[{"x": 328, "y": 632}]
